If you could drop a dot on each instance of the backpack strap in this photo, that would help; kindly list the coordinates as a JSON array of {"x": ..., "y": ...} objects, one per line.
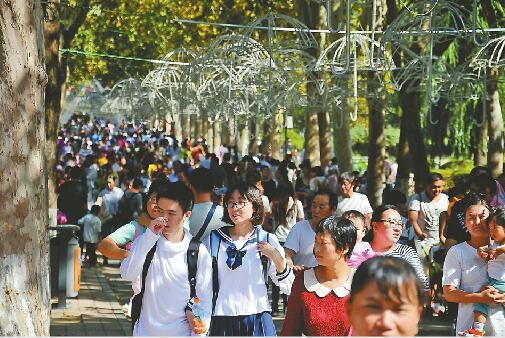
[
  {"x": 206, "y": 222},
  {"x": 192, "y": 260},
  {"x": 137, "y": 299},
  {"x": 215, "y": 242},
  {"x": 262, "y": 236}
]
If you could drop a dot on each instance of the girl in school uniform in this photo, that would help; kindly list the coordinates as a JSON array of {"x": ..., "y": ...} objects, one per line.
[{"x": 244, "y": 256}]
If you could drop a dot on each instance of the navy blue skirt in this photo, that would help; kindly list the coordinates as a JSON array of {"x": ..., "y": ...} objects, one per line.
[{"x": 260, "y": 324}]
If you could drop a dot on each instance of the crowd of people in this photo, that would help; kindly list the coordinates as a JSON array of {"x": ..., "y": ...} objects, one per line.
[{"x": 204, "y": 235}]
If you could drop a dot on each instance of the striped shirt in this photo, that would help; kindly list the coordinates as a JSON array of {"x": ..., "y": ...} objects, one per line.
[{"x": 410, "y": 255}]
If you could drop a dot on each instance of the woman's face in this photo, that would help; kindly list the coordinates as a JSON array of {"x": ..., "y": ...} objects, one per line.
[
  {"x": 325, "y": 249},
  {"x": 389, "y": 229},
  {"x": 371, "y": 314},
  {"x": 239, "y": 208},
  {"x": 346, "y": 187},
  {"x": 475, "y": 220}
]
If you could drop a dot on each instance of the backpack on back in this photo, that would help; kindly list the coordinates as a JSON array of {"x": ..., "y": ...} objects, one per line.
[{"x": 192, "y": 260}]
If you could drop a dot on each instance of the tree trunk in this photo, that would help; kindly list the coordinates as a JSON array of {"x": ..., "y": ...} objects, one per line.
[
  {"x": 342, "y": 139},
  {"x": 325, "y": 142},
  {"x": 376, "y": 146},
  {"x": 495, "y": 126},
  {"x": 275, "y": 134},
  {"x": 24, "y": 262},
  {"x": 312, "y": 139},
  {"x": 253, "y": 142},
  {"x": 410, "y": 104},
  {"x": 216, "y": 135},
  {"x": 52, "y": 36},
  {"x": 403, "y": 158},
  {"x": 481, "y": 138},
  {"x": 243, "y": 146}
]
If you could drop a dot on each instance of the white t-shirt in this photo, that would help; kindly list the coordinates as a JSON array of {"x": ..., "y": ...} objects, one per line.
[
  {"x": 92, "y": 226},
  {"x": 295, "y": 211},
  {"x": 198, "y": 216},
  {"x": 429, "y": 213},
  {"x": 465, "y": 270},
  {"x": 111, "y": 200},
  {"x": 266, "y": 204},
  {"x": 357, "y": 202},
  {"x": 301, "y": 240},
  {"x": 167, "y": 288},
  {"x": 496, "y": 267}
]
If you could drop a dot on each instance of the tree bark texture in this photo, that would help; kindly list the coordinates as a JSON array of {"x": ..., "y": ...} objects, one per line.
[
  {"x": 376, "y": 145},
  {"x": 495, "y": 126},
  {"x": 312, "y": 139},
  {"x": 404, "y": 159},
  {"x": 410, "y": 103},
  {"x": 24, "y": 259},
  {"x": 342, "y": 138},
  {"x": 480, "y": 137},
  {"x": 56, "y": 34}
]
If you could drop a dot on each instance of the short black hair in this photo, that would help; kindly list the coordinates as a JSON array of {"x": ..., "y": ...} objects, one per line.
[
  {"x": 137, "y": 183},
  {"x": 156, "y": 185},
  {"x": 331, "y": 196},
  {"x": 342, "y": 230},
  {"x": 498, "y": 215},
  {"x": 252, "y": 195},
  {"x": 202, "y": 180},
  {"x": 391, "y": 275},
  {"x": 377, "y": 213},
  {"x": 435, "y": 177},
  {"x": 253, "y": 177},
  {"x": 178, "y": 192},
  {"x": 354, "y": 214},
  {"x": 95, "y": 209}
]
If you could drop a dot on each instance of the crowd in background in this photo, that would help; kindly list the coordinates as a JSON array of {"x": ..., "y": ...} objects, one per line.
[{"x": 108, "y": 169}]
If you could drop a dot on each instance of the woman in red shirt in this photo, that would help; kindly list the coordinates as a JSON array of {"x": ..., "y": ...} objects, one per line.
[{"x": 316, "y": 305}]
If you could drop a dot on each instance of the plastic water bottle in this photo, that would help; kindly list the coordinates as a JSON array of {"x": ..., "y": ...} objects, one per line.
[{"x": 200, "y": 316}]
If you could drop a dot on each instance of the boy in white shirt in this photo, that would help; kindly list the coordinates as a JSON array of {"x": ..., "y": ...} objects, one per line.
[
  {"x": 91, "y": 233},
  {"x": 166, "y": 291}
]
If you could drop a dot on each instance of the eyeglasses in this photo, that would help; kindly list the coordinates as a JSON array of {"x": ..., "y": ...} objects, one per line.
[
  {"x": 236, "y": 205},
  {"x": 392, "y": 223},
  {"x": 164, "y": 212}
]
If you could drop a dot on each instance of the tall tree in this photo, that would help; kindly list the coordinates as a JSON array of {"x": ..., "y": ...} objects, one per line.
[
  {"x": 60, "y": 27},
  {"x": 24, "y": 281},
  {"x": 494, "y": 114},
  {"x": 376, "y": 140},
  {"x": 495, "y": 125}
]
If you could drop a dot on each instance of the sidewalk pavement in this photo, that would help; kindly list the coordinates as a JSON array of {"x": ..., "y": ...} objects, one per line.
[{"x": 98, "y": 310}]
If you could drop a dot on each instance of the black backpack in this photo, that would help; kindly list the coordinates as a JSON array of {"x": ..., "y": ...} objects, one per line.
[{"x": 192, "y": 258}]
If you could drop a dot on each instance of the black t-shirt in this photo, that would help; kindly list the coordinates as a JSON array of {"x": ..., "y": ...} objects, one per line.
[
  {"x": 270, "y": 189},
  {"x": 456, "y": 228},
  {"x": 72, "y": 200}
]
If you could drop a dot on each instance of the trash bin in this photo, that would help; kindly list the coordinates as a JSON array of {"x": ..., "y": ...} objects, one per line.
[
  {"x": 69, "y": 265},
  {"x": 73, "y": 268}
]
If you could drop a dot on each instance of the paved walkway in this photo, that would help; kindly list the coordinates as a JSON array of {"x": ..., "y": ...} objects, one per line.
[{"x": 97, "y": 311}]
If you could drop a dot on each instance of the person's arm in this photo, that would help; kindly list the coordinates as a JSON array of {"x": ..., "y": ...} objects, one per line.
[
  {"x": 289, "y": 256},
  {"x": 279, "y": 271},
  {"x": 413, "y": 216},
  {"x": 131, "y": 266},
  {"x": 441, "y": 229},
  {"x": 488, "y": 296},
  {"x": 111, "y": 250}
]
